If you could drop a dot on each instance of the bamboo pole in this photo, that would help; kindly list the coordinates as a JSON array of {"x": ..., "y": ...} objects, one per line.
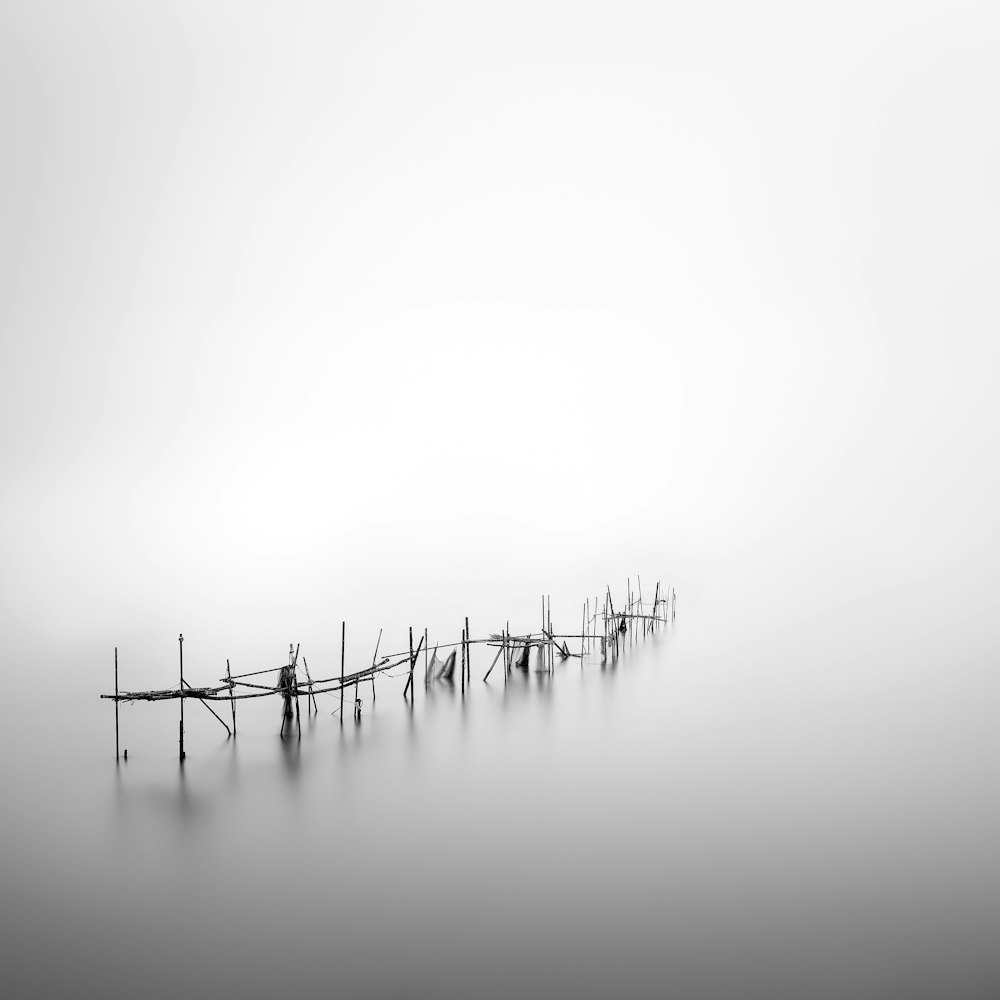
[
  {"x": 500, "y": 650},
  {"x": 414, "y": 654},
  {"x": 468, "y": 652},
  {"x": 232, "y": 703},
  {"x": 311, "y": 695},
  {"x": 604, "y": 641},
  {"x": 628, "y": 597},
  {"x": 117, "y": 754},
  {"x": 374, "y": 657},
  {"x": 552, "y": 652},
  {"x": 343, "y": 640},
  {"x": 611, "y": 606},
  {"x": 463, "y": 661},
  {"x": 295, "y": 689},
  {"x": 508, "y": 655},
  {"x": 181, "y": 730},
  {"x": 409, "y": 680},
  {"x": 209, "y": 707}
]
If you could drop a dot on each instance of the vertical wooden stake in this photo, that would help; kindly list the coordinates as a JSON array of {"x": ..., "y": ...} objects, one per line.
[
  {"x": 181, "y": 645},
  {"x": 374, "y": 658},
  {"x": 604, "y": 641},
  {"x": 117, "y": 755},
  {"x": 463, "y": 661},
  {"x": 507, "y": 655},
  {"x": 628, "y": 598},
  {"x": 295, "y": 688},
  {"x": 468, "y": 649},
  {"x": 552, "y": 652},
  {"x": 343, "y": 640},
  {"x": 409, "y": 680},
  {"x": 311, "y": 695},
  {"x": 232, "y": 703}
]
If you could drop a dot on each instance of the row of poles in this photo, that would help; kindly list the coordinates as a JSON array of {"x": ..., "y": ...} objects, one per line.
[{"x": 515, "y": 650}]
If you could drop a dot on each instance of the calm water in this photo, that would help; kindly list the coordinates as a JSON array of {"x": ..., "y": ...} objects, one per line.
[{"x": 769, "y": 797}]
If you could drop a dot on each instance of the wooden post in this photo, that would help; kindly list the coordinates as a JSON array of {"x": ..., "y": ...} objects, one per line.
[
  {"x": 117, "y": 754},
  {"x": 604, "y": 641},
  {"x": 427, "y": 680},
  {"x": 409, "y": 680},
  {"x": 374, "y": 658},
  {"x": 294, "y": 683},
  {"x": 628, "y": 606},
  {"x": 181, "y": 731},
  {"x": 463, "y": 661},
  {"x": 552, "y": 650},
  {"x": 507, "y": 655},
  {"x": 614, "y": 620},
  {"x": 343, "y": 640},
  {"x": 232, "y": 703},
  {"x": 468, "y": 649},
  {"x": 295, "y": 688},
  {"x": 311, "y": 696}
]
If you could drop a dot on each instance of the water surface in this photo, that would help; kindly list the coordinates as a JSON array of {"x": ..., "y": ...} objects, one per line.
[{"x": 744, "y": 804}]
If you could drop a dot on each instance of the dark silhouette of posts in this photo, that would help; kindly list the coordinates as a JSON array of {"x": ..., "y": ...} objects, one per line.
[
  {"x": 181, "y": 735},
  {"x": 117, "y": 754},
  {"x": 343, "y": 639},
  {"x": 414, "y": 655},
  {"x": 409, "y": 680},
  {"x": 232, "y": 702}
]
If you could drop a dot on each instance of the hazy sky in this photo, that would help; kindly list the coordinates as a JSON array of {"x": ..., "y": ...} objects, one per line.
[{"x": 297, "y": 296}]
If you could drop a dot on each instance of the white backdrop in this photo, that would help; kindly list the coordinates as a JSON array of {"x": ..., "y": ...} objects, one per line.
[{"x": 298, "y": 297}]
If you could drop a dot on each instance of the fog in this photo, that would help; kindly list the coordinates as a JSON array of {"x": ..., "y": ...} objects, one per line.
[{"x": 393, "y": 314}]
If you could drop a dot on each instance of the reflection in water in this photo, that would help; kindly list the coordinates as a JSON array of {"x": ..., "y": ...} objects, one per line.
[
  {"x": 666, "y": 815},
  {"x": 291, "y": 754}
]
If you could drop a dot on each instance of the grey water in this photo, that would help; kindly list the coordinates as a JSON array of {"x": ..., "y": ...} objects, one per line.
[{"x": 774, "y": 795}]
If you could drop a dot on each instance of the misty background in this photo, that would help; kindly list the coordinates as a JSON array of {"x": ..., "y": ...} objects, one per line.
[{"x": 396, "y": 313}]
